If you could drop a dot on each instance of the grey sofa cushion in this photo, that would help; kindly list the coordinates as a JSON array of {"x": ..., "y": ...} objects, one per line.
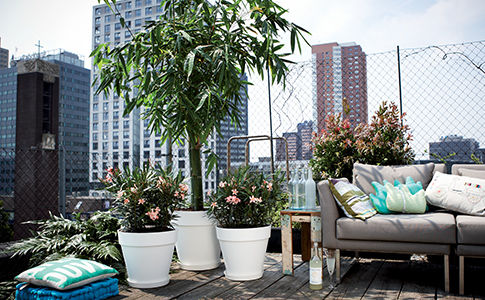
[
  {"x": 470, "y": 229},
  {"x": 470, "y": 250},
  {"x": 473, "y": 173},
  {"x": 425, "y": 228},
  {"x": 459, "y": 169},
  {"x": 363, "y": 174}
]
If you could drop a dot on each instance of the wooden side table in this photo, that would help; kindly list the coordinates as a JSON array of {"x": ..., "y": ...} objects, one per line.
[{"x": 311, "y": 232}]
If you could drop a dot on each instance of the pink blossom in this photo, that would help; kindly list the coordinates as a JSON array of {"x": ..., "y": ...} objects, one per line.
[
  {"x": 126, "y": 201},
  {"x": 108, "y": 178},
  {"x": 183, "y": 187},
  {"x": 234, "y": 191},
  {"x": 214, "y": 204},
  {"x": 253, "y": 188},
  {"x": 120, "y": 194},
  {"x": 270, "y": 186},
  {"x": 134, "y": 189},
  {"x": 222, "y": 184},
  {"x": 141, "y": 201},
  {"x": 209, "y": 192},
  {"x": 153, "y": 213},
  {"x": 233, "y": 200},
  {"x": 176, "y": 194},
  {"x": 255, "y": 200},
  {"x": 182, "y": 196},
  {"x": 110, "y": 171}
]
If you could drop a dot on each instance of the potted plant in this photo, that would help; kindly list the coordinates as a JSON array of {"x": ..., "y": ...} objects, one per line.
[
  {"x": 244, "y": 206},
  {"x": 146, "y": 199},
  {"x": 186, "y": 68}
]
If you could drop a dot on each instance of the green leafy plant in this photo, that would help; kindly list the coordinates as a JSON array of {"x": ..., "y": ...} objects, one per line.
[
  {"x": 146, "y": 197},
  {"x": 95, "y": 238},
  {"x": 6, "y": 232},
  {"x": 385, "y": 141},
  {"x": 476, "y": 159},
  {"x": 187, "y": 67},
  {"x": 247, "y": 199},
  {"x": 334, "y": 151}
]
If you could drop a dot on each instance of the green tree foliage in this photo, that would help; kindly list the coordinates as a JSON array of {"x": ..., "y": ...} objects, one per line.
[
  {"x": 6, "y": 232},
  {"x": 186, "y": 67}
]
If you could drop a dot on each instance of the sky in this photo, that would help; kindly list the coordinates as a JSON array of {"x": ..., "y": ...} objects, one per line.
[{"x": 377, "y": 25}]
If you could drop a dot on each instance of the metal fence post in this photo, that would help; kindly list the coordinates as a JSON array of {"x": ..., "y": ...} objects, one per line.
[
  {"x": 400, "y": 87},
  {"x": 62, "y": 181}
]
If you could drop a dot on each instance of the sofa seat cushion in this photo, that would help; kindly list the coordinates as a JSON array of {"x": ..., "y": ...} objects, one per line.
[
  {"x": 471, "y": 230},
  {"x": 436, "y": 228}
]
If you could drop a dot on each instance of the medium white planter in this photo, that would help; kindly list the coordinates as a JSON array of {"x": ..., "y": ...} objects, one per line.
[
  {"x": 147, "y": 257},
  {"x": 197, "y": 245},
  {"x": 243, "y": 250}
]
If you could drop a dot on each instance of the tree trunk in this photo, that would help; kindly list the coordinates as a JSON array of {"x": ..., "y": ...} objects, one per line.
[{"x": 196, "y": 175}]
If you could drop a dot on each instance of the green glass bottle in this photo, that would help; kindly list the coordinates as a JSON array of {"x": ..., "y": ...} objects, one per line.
[{"x": 315, "y": 269}]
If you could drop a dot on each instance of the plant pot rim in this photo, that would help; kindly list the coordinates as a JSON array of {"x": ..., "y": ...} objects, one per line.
[
  {"x": 145, "y": 232},
  {"x": 254, "y": 227}
]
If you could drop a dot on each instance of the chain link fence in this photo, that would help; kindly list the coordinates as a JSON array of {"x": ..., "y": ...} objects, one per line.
[{"x": 440, "y": 88}]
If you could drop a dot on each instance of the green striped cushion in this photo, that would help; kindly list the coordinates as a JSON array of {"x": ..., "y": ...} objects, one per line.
[{"x": 351, "y": 199}]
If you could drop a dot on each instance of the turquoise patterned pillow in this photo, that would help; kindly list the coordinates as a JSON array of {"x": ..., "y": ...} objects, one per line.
[
  {"x": 379, "y": 199},
  {"x": 66, "y": 273}
]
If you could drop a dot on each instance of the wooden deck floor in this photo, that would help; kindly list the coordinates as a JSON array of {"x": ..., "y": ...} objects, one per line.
[{"x": 365, "y": 279}]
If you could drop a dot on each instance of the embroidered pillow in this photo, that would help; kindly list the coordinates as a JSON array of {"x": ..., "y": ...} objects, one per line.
[
  {"x": 379, "y": 199},
  {"x": 457, "y": 193},
  {"x": 351, "y": 199},
  {"x": 400, "y": 199},
  {"x": 66, "y": 273}
]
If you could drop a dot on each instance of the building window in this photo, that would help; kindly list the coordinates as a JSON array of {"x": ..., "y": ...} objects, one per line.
[
  {"x": 105, "y": 116},
  {"x": 115, "y": 155},
  {"x": 148, "y": 19},
  {"x": 105, "y": 125},
  {"x": 158, "y": 153},
  {"x": 105, "y": 106},
  {"x": 105, "y": 136},
  {"x": 95, "y": 146},
  {"x": 128, "y": 14},
  {"x": 148, "y": 11},
  {"x": 105, "y": 146},
  {"x": 115, "y": 145},
  {"x": 116, "y": 104},
  {"x": 95, "y": 136},
  {"x": 96, "y": 30},
  {"x": 107, "y": 37},
  {"x": 127, "y": 34},
  {"x": 107, "y": 28},
  {"x": 107, "y": 18},
  {"x": 137, "y": 3},
  {"x": 148, "y": 2},
  {"x": 117, "y": 36},
  {"x": 146, "y": 143},
  {"x": 115, "y": 135},
  {"x": 95, "y": 106},
  {"x": 181, "y": 152},
  {"x": 138, "y": 22},
  {"x": 116, "y": 125},
  {"x": 117, "y": 26},
  {"x": 116, "y": 114},
  {"x": 95, "y": 126},
  {"x": 128, "y": 5},
  {"x": 126, "y": 144},
  {"x": 126, "y": 124},
  {"x": 97, "y": 39},
  {"x": 97, "y": 21},
  {"x": 126, "y": 155},
  {"x": 98, "y": 11},
  {"x": 126, "y": 134},
  {"x": 181, "y": 164},
  {"x": 146, "y": 154}
]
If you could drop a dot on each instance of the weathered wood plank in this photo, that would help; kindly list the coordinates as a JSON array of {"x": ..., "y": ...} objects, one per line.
[
  {"x": 249, "y": 289},
  {"x": 326, "y": 290},
  {"x": 287, "y": 244},
  {"x": 420, "y": 280},
  {"x": 388, "y": 281},
  {"x": 358, "y": 278}
]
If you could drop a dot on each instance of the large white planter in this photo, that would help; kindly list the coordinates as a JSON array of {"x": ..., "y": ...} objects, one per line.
[
  {"x": 243, "y": 251},
  {"x": 147, "y": 257},
  {"x": 197, "y": 245}
]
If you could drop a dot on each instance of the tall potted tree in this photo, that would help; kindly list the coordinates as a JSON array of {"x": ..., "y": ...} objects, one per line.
[{"x": 186, "y": 68}]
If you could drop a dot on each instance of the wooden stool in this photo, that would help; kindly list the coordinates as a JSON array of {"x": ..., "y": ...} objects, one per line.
[{"x": 310, "y": 233}]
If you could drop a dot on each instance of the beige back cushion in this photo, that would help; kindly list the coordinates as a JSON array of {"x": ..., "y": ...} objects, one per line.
[
  {"x": 363, "y": 175},
  {"x": 475, "y": 171}
]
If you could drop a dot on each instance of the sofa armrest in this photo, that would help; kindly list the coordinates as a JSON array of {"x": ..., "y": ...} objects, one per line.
[{"x": 329, "y": 214}]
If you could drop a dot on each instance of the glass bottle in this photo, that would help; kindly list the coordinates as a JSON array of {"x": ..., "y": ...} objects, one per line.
[
  {"x": 310, "y": 190},
  {"x": 316, "y": 269},
  {"x": 292, "y": 185},
  {"x": 301, "y": 189}
]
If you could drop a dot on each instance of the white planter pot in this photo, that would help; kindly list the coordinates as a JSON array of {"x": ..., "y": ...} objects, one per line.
[
  {"x": 147, "y": 257},
  {"x": 243, "y": 251},
  {"x": 197, "y": 245}
]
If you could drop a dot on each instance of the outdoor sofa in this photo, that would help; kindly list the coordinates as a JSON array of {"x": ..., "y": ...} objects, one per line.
[{"x": 436, "y": 232}]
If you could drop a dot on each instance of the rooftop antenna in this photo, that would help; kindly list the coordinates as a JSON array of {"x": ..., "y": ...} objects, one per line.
[{"x": 38, "y": 48}]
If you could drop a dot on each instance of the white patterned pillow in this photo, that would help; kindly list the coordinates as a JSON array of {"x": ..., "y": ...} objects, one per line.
[{"x": 457, "y": 193}]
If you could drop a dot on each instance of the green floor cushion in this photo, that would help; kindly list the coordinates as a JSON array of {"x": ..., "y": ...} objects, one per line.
[
  {"x": 351, "y": 199},
  {"x": 66, "y": 273},
  {"x": 457, "y": 193},
  {"x": 400, "y": 199}
]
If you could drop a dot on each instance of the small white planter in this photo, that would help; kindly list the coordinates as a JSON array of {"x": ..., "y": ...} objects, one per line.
[
  {"x": 147, "y": 257},
  {"x": 243, "y": 251},
  {"x": 197, "y": 245}
]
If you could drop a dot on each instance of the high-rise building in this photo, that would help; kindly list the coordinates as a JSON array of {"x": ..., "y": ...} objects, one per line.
[
  {"x": 3, "y": 57},
  {"x": 339, "y": 82},
  {"x": 461, "y": 147},
  {"x": 74, "y": 85},
  {"x": 228, "y": 130},
  {"x": 299, "y": 143}
]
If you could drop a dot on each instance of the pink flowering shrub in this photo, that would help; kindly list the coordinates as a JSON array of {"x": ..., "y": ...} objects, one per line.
[
  {"x": 145, "y": 197},
  {"x": 385, "y": 141},
  {"x": 247, "y": 199},
  {"x": 334, "y": 151}
]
